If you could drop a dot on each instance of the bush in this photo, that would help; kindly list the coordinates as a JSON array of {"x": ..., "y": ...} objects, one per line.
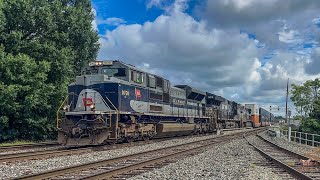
[{"x": 310, "y": 126}]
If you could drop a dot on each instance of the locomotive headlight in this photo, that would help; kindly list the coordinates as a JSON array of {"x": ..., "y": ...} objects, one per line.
[
  {"x": 92, "y": 64},
  {"x": 92, "y": 106},
  {"x": 99, "y": 63},
  {"x": 65, "y": 107}
]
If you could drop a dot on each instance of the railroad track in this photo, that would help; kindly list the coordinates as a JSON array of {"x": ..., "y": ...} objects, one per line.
[
  {"x": 27, "y": 146},
  {"x": 14, "y": 157},
  {"x": 131, "y": 165},
  {"x": 285, "y": 161},
  {"x": 63, "y": 151}
]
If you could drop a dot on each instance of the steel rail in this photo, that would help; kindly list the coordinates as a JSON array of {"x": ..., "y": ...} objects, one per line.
[
  {"x": 292, "y": 170},
  {"x": 180, "y": 153},
  {"x": 65, "y": 151},
  {"x": 73, "y": 169},
  {"x": 40, "y": 154},
  {"x": 114, "y": 172},
  {"x": 27, "y": 146}
]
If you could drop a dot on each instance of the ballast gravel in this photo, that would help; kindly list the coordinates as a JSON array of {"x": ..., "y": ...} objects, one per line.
[
  {"x": 29, "y": 150},
  {"x": 234, "y": 160},
  {"x": 9, "y": 170},
  {"x": 294, "y": 146}
]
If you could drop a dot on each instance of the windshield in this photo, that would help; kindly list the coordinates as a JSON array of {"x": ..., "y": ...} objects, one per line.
[{"x": 117, "y": 72}]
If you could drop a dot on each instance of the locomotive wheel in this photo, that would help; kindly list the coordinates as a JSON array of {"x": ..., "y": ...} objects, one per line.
[
  {"x": 197, "y": 132},
  {"x": 110, "y": 142},
  {"x": 129, "y": 139},
  {"x": 146, "y": 137}
]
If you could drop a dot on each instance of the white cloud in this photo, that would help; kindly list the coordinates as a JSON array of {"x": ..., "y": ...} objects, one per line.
[
  {"x": 165, "y": 5},
  {"x": 316, "y": 20},
  {"x": 94, "y": 22},
  {"x": 112, "y": 21},
  {"x": 289, "y": 36},
  {"x": 313, "y": 66},
  {"x": 245, "y": 12},
  {"x": 212, "y": 55},
  {"x": 154, "y": 3},
  {"x": 264, "y": 18},
  {"x": 186, "y": 48}
]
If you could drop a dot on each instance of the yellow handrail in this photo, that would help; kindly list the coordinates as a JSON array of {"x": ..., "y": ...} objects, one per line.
[{"x": 57, "y": 120}]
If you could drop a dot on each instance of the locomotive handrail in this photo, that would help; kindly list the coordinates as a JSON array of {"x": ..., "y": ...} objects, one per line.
[
  {"x": 57, "y": 120},
  {"x": 63, "y": 102},
  {"x": 117, "y": 112}
]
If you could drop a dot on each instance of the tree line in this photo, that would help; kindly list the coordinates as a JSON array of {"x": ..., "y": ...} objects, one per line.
[
  {"x": 306, "y": 98},
  {"x": 43, "y": 45}
]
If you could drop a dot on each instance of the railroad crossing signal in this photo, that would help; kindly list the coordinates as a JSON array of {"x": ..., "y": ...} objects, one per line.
[{"x": 271, "y": 108}]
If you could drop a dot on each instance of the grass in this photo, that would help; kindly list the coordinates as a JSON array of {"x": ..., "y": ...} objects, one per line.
[{"x": 16, "y": 143}]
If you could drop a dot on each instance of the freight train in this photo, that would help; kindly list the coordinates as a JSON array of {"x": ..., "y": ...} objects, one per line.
[{"x": 112, "y": 101}]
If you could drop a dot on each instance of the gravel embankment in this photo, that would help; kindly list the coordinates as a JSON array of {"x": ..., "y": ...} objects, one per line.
[
  {"x": 309, "y": 151},
  {"x": 234, "y": 160},
  {"x": 30, "y": 150},
  {"x": 293, "y": 146},
  {"x": 18, "y": 169}
]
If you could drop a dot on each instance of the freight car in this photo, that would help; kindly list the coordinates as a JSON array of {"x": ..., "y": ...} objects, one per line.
[
  {"x": 259, "y": 116},
  {"x": 112, "y": 101}
]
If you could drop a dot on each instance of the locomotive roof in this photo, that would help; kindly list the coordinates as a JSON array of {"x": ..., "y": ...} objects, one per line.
[
  {"x": 133, "y": 67},
  {"x": 190, "y": 88}
]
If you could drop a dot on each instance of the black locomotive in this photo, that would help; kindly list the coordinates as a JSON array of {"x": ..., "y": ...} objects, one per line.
[{"x": 112, "y": 101}]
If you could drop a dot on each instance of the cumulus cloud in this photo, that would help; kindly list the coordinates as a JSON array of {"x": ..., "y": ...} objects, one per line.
[
  {"x": 264, "y": 18},
  {"x": 313, "y": 67},
  {"x": 211, "y": 54},
  {"x": 112, "y": 21},
  {"x": 288, "y": 36},
  {"x": 94, "y": 22},
  {"x": 187, "y": 49},
  {"x": 248, "y": 12},
  {"x": 163, "y": 4}
]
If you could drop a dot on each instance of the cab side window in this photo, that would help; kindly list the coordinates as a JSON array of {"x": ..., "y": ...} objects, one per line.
[
  {"x": 159, "y": 82},
  {"x": 137, "y": 77},
  {"x": 151, "y": 81}
]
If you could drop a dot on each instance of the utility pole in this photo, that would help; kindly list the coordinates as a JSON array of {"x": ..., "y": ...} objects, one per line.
[
  {"x": 287, "y": 103},
  {"x": 270, "y": 115}
]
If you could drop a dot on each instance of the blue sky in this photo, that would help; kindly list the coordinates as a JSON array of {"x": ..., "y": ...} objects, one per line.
[
  {"x": 243, "y": 50},
  {"x": 132, "y": 11}
]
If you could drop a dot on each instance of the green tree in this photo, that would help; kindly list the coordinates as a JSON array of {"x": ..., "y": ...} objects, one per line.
[
  {"x": 52, "y": 39},
  {"x": 311, "y": 126},
  {"x": 301, "y": 96},
  {"x": 24, "y": 96},
  {"x": 306, "y": 98},
  {"x": 59, "y": 31}
]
